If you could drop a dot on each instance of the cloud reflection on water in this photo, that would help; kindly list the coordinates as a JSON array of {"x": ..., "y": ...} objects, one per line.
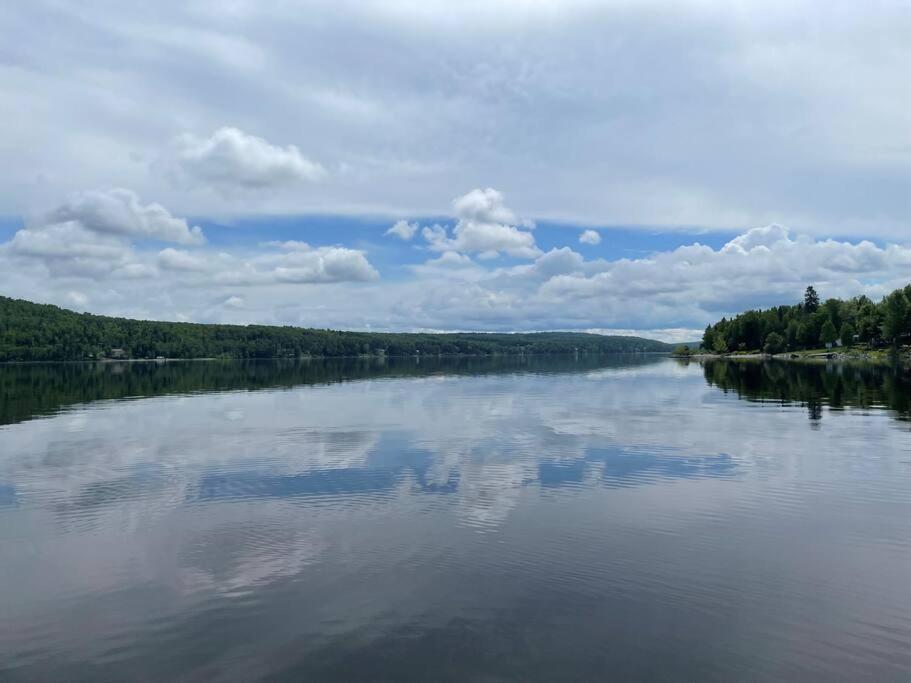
[{"x": 352, "y": 509}]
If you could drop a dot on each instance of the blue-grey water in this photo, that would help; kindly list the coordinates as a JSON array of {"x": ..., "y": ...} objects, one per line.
[{"x": 549, "y": 519}]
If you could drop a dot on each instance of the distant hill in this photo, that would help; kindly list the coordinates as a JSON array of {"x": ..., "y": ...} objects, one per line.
[{"x": 39, "y": 332}]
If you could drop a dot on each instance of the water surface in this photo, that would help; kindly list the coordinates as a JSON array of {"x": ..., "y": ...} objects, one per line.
[{"x": 563, "y": 518}]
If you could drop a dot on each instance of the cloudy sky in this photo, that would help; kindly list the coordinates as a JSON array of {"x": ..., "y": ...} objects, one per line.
[{"x": 616, "y": 166}]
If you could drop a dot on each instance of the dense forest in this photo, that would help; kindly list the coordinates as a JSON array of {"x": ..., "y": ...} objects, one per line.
[
  {"x": 811, "y": 324},
  {"x": 39, "y": 332}
]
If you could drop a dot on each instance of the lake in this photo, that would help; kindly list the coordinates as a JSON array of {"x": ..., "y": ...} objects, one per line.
[{"x": 544, "y": 518}]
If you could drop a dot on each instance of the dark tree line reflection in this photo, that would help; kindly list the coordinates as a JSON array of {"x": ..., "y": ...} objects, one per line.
[
  {"x": 814, "y": 385},
  {"x": 29, "y": 390},
  {"x": 32, "y": 390}
]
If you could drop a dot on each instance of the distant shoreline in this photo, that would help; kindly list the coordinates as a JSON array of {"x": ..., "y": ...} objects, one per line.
[
  {"x": 41, "y": 332},
  {"x": 877, "y": 356}
]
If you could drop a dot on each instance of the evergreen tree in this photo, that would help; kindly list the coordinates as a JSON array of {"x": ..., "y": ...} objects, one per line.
[
  {"x": 810, "y": 300},
  {"x": 708, "y": 338}
]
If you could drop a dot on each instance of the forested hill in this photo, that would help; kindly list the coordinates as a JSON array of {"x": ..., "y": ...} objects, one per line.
[
  {"x": 811, "y": 324},
  {"x": 35, "y": 332}
]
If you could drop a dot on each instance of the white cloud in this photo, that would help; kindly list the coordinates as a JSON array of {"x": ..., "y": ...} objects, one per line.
[
  {"x": 68, "y": 249},
  {"x": 557, "y": 262},
  {"x": 91, "y": 235},
  {"x": 68, "y": 240},
  {"x": 94, "y": 235},
  {"x": 485, "y": 227},
  {"x": 403, "y": 230},
  {"x": 483, "y": 206},
  {"x": 290, "y": 245},
  {"x": 669, "y": 295},
  {"x": 761, "y": 267},
  {"x": 231, "y": 159},
  {"x": 325, "y": 264},
  {"x": 235, "y": 302},
  {"x": 590, "y": 237},
  {"x": 175, "y": 259},
  {"x": 768, "y": 237},
  {"x": 135, "y": 271},
  {"x": 119, "y": 212},
  {"x": 450, "y": 259},
  {"x": 296, "y": 264}
]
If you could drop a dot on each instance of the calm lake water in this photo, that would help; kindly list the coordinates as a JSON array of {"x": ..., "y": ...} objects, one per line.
[{"x": 548, "y": 519}]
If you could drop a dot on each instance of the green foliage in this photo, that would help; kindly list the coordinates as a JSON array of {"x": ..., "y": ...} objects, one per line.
[
  {"x": 895, "y": 316},
  {"x": 806, "y": 335},
  {"x": 774, "y": 343},
  {"x": 833, "y": 312},
  {"x": 828, "y": 334},
  {"x": 792, "y": 334},
  {"x": 36, "y": 332},
  {"x": 809, "y": 325},
  {"x": 847, "y": 334},
  {"x": 708, "y": 338}
]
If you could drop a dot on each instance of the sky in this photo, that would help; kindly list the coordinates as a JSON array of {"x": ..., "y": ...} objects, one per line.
[{"x": 616, "y": 166}]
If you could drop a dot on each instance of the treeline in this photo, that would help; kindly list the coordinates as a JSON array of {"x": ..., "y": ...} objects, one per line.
[
  {"x": 38, "y": 332},
  {"x": 811, "y": 324}
]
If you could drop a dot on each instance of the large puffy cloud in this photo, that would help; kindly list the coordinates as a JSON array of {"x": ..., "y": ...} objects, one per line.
[
  {"x": 765, "y": 265},
  {"x": 65, "y": 240},
  {"x": 483, "y": 206},
  {"x": 120, "y": 212},
  {"x": 485, "y": 226},
  {"x": 325, "y": 264},
  {"x": 231, "y": 159},
  {"x": 68, "y": 249},
  {"x": 91, "y": 234},
  {"x": 101, "y": 236},
  {"x": 768, "y": 237}
]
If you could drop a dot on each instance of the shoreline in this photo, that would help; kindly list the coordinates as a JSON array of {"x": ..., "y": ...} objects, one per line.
[{"x": 814, "y": 356}]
